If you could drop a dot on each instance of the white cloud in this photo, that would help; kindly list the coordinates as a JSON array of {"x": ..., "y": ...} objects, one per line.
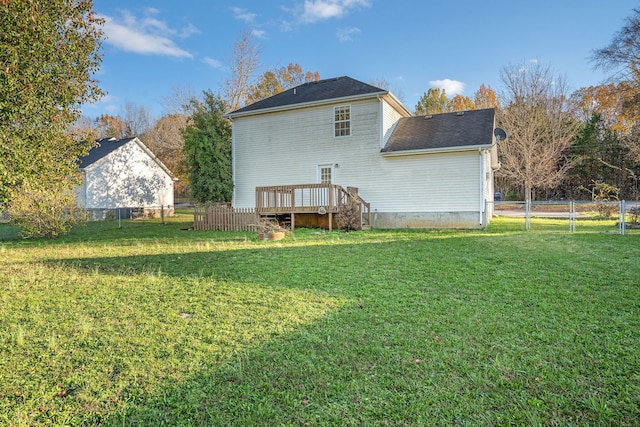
[
  {"x": 451, "y": 87},
  {"x": 146, "y": 36},
  {"x": 108, "y": 103},
  {"x": 344, "y": 34},
  {"x": 213, "y": 62},
  {"x": 321, "y": 10},
  {"x": 188, "y": 30},
  {"x": 258, "y": 33},
  {"x": 243, "y": 15}
]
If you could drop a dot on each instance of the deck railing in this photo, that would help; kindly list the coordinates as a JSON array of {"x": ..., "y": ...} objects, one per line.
[
  {"x": 308, "y": 198},
  {"x": 224, "y": 218}
]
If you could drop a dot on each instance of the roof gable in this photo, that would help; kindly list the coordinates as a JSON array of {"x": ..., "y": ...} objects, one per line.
[
  {"x": 312, "y": 92},
  {"x": 107, "y": 146},
  {"x": 103, "y": 148},
  {"x": 447, "y": 131}
]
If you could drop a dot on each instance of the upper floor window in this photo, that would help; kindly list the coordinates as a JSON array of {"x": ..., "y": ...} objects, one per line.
[{"x": 342, "y": 120}]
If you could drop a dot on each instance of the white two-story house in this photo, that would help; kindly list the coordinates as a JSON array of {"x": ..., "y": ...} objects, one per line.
[{"x": 413, "y": 171}]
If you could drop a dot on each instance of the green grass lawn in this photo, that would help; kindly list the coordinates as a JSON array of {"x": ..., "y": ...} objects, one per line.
[{"x": 151, "y": 324}]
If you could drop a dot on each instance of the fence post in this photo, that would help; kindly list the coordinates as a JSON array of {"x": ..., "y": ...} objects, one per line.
[
  {"x": 572, "y": 216},
  {"x": 623, "y": 225}
]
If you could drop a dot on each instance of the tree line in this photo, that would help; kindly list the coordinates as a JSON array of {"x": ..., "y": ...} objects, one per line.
[{"x": 559, "y": 145}]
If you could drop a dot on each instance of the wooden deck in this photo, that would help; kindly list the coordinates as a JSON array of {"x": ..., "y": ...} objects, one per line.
[{"x": 320, "y": 199}]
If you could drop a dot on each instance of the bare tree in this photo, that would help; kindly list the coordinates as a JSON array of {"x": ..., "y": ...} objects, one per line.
[
  {"x": 244, "y": 64},
  {"x": 537, "y": 118},
  {"x": 179, "y": 101},
  {"x": 622, "y": 58},
  {"x": 382, "y": 83},
  {"x": 137, "y": 119},
  {"x": 165, "y": 140},
  {"x": 83, "y": 129}
]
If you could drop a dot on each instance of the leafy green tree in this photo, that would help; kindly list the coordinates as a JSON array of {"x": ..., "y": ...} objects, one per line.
[
  {"x": 45, "y": 211},
  {"x": 485, "y": 97},
  {"x": 598, "y": 155},
  {"x": 49, "y": 51},
  {"x": 460, "y": 103},
  {"x": 207, "y": 147},
  {"x": 109, "y": 126},
  {"x": 267, "y": 85},
  {"x": 434, "y": 101}
]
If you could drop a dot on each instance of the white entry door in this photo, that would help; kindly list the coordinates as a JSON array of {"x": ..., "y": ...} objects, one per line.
[{"x": 324, "y": 174}]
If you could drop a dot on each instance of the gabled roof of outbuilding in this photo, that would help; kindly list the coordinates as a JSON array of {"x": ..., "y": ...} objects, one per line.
[
  {"x": 448, "y": 131},
  {"x": 102, "y": 149},
  {"x": 106, "y": 146},
  {"x": 312, "y": 92}
]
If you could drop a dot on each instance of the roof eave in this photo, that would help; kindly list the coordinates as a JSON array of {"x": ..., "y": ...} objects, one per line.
[
  {"x": 436, "y": 150},
  {"x": 307, "y": 104},
  {"x": 150, "y": 153},
  {"x": 396, "y": 103}
]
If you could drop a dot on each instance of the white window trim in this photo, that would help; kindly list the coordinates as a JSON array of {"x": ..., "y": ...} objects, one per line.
[
  {"x": 319, "y": 172},
  {"x": 342, "y": 121}
]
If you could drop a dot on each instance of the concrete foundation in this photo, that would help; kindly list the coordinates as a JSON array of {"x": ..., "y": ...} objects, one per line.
[{"x": 428, "y": 220}]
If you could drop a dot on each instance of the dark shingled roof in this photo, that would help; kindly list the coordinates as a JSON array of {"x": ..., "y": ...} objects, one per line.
[
  {"x": 104, "y": 147},
  {"x": 437, "y": 131},
  {"x": 339, "y": 87}
]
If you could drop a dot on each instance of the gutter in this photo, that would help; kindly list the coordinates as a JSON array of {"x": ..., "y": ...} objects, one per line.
[
  {"x": 436, "y": 150},
  {"x": 481, "y": 182}
]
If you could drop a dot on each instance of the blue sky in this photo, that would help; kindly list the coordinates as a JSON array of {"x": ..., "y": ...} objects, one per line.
[{"x": 155, "y": 47}]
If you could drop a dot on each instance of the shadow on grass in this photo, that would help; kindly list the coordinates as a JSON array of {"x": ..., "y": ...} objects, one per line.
[
  {"x": 416, "y": 330},
  {"x": 108, "y": 230}
]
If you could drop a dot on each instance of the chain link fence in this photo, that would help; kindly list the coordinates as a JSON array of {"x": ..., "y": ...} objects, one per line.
[
  {"x": 574, "y": 216},
  {"x": 120, "y": 213}
]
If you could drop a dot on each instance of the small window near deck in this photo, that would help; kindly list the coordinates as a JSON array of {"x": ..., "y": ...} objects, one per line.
[{"x": 342, "y": 120}]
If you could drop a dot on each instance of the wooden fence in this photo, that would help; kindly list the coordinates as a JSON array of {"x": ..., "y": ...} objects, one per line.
[{"x": 224, "y": 218}]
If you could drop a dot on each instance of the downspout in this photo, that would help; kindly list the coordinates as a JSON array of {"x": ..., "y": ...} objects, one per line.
[
  {"x": 233, "y": 164},
  {"x": 481, "y": 201},
  {"x": 381, "y": 125}
]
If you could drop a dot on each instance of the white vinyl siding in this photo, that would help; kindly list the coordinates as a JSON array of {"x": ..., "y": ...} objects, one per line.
[
  {"x": 126, "y": 177},
  {"x": 429, "y": 183},
  {"x": 390, "y": 117},
  {"x": 286, "y": 148}
]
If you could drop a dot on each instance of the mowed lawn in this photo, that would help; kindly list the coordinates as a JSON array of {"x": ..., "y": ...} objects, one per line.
[{"x": 152, "y": 324}]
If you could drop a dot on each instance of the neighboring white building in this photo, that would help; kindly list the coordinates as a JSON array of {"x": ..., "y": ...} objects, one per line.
[
  {"x": 424, "y": 171},
  {"x": 124, "y": 174}
]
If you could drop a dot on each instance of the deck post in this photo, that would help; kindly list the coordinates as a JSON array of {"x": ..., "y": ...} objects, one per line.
[{"x": 331, "y": 201}]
